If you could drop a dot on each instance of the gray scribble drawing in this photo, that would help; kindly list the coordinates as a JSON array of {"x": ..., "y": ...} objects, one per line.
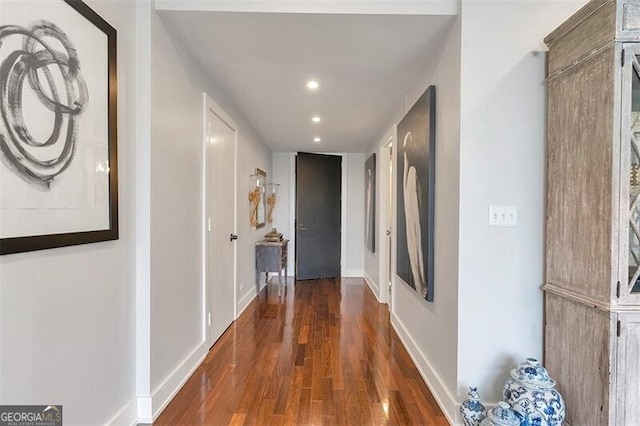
[{"x": 19, "y": 150}]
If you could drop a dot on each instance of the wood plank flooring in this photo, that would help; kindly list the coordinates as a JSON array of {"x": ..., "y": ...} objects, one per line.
[{"x": 323, "y": 354}]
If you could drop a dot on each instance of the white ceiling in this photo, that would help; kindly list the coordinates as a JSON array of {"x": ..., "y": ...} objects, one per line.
[{"x": 365, "y": 64}]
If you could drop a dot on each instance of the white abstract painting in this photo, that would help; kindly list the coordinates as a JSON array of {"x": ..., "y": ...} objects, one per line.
[{"x": 54, "y": 121}]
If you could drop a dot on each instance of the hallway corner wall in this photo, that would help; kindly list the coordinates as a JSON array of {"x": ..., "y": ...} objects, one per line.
[
  {"x": 353, "y": 225},
  {"x": 502, "y": 162},
  {"x": 67, "y": 315},
  {"x": 177, "y": 84},
  {"x": 429, "y": 331}
]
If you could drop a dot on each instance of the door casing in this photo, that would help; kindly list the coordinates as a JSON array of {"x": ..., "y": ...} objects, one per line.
[{"x": 386, "y": 219}]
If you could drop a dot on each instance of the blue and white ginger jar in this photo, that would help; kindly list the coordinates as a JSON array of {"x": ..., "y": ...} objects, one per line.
[
  {"x": 532, "y": 395},
  {"x": 472, "y": 410},
  {"x": 501, "y": 415}
]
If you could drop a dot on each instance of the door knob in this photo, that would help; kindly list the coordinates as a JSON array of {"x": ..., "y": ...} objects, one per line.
[
  {"x": 233, "y": 237},
  {"x": 388, "y": 232},
  {"x": 301, "y": 227}
]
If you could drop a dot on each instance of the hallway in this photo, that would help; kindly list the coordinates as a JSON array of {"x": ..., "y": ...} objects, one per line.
[{"x": 324, "y": 353}]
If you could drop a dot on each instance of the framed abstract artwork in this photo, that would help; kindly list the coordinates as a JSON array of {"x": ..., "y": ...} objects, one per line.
[
  {"x": 416, "y": 195},
  {"x": 370, "y": 202},
  {"x": 58, "y": 126}
]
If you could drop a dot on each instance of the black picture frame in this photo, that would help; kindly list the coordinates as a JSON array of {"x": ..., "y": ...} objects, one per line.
[
  {"x": 370, "y": 202},
  {"x": 415, "y": 212},
  {"x": 30, "y": 243}
]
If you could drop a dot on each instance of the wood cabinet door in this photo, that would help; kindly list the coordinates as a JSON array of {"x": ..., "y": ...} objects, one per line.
[
  {"x": 628, "y": 370},
  {"x": 628, "y": 291},
  {"x": 582, "y": 213}
]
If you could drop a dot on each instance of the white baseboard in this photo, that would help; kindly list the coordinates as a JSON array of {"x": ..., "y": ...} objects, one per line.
[
  {"x": 145, "y": 410},
  {"x": 443, "y": 397},
  {"x": 165, "y": 392},
  {"x": 373, "y": 286},
  {"x": 127, "y": 416},
  {"x": 246, "y": 300},
  {"x": 353, "y": 273}
]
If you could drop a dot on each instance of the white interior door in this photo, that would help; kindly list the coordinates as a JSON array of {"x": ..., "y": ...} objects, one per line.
[{"x": 220, "y": 217}]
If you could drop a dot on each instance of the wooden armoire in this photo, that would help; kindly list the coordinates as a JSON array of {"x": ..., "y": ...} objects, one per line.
[{"x": 592, "y": 285}]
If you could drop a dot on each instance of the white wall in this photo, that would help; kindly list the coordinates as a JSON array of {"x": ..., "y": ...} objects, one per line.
[
  {"x": 432, "y": 326},
  {"x": 67, "y": 315},
  {"x": 177, "y": 84},
  {"x": 429, "y": 330},
  {"x": 353, "y": 208},
  {"x": 284, "y": 166},
  {"x": 502, "y": 162},
  {"x": 176, "y": 212},
  {"x": 487, "y": 314},
  {"x": 353, "y": 223}
]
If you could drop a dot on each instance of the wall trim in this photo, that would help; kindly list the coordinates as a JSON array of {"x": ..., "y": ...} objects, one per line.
[
  {"x": 386, "y": 7},
  {"x": 291, "y": 263},
  {"x": 385, "y": 220},
  {"x": 564, "y": 290},
  {"x": 142, "y": 181},
  {"x": 145, "y": 409},
  {"x": 344, "y": 218},
  {"x": 246, "y": 300},
  {"x": 443, "y": 397},
  {"x": 164, "y": 393},
  {"x": 127, "y": 415},
  {"x": 353, "y": 273},
  {"x": 373, "y": 286}
]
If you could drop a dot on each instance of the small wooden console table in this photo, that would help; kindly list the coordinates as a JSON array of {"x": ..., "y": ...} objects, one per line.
[{"x": 271, "y": 257}]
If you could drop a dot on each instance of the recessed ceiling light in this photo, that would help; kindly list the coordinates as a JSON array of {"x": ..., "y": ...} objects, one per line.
[
  {"x": 316, "y": 139},
  {"x": 312, "y": 84},
  {"x": 315, "y": 119}
]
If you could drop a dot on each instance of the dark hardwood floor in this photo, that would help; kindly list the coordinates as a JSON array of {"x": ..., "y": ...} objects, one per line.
[{"x": 323, "y": 354}]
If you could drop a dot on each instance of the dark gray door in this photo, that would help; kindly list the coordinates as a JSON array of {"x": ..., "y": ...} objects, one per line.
[{"x": 318, "y": 215}]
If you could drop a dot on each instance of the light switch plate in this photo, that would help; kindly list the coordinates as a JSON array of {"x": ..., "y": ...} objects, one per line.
[{"x": 503, "y": 216}]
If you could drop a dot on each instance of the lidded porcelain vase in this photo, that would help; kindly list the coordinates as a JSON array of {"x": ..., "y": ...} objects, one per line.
[
  {"x": 472, "y": 410},
  {"x": 501, "y": 415},
  {"x": 532, "y": 395}
]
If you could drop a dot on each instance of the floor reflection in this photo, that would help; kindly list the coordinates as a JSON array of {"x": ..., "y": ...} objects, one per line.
[{"x": 320, "y": 352}]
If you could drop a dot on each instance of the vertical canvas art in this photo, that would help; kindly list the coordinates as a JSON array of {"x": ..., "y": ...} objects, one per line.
[
  {"x": 58, "y": 160},
  {"x": 416, "y": 195},
  {"x": 370, "y": 202}
]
